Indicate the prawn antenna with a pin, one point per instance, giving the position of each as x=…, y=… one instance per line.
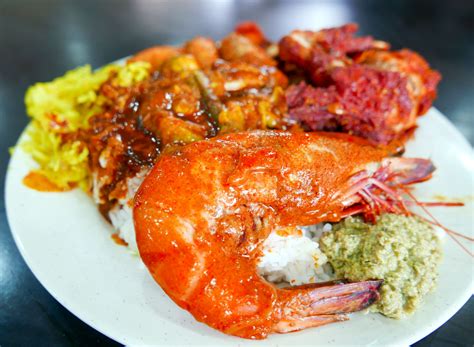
x=451, y=233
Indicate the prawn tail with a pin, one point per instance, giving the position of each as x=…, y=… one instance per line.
x=323, y=303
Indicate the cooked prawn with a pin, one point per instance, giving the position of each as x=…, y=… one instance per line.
x=203, y=212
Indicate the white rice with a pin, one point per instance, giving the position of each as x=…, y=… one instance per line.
x=293, y=259
x=121, y=214
x=122, y=220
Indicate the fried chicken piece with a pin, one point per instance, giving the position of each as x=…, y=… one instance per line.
x=319, y=52
x=362, y=101
x=358, y=86
x=422, y=80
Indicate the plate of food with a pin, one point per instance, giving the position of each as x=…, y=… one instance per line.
x=248, y=192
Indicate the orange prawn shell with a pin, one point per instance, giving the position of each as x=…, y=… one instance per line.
x=204, y=210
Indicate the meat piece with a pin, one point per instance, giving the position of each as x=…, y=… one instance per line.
x=362, y=101
x=319, y=52
x=156, y=55
x=204, y=50
x=253, y=32
x=422, y=81
x=363, y=88
x=236, y=47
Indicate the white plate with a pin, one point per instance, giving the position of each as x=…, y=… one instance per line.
x=67, y=245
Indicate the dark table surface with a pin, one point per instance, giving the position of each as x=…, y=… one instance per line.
x=40, y=40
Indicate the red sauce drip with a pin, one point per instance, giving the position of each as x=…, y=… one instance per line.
x=119, y=241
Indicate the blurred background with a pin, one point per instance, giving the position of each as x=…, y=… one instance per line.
x=40, y=40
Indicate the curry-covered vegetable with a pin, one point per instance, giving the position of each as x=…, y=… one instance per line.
x=403, y=251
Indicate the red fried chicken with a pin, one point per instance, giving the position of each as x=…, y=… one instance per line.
x=358, y=86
